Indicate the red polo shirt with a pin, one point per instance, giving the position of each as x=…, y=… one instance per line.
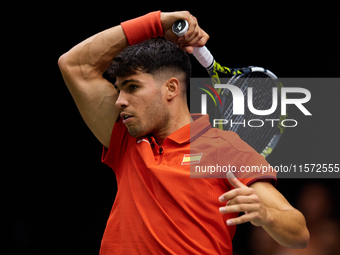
x=158, y=208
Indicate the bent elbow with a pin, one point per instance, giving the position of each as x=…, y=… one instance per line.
x=66, y=65
x=62, y=61
x=304, y=240
x=300, y=242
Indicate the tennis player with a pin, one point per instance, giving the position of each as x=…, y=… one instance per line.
x=150, y=141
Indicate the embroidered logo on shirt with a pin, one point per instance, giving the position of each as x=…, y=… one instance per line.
x=191, y=158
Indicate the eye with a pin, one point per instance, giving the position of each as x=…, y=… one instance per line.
x=133, y=87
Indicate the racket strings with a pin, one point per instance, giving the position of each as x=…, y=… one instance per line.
x=256, y=130
x=228, y=113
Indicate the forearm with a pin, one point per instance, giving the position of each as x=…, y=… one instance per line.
x=287, y=227
x=94, y=55
x=265, y=206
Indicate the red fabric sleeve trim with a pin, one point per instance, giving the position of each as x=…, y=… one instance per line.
x=273, y=181
x=143, y=28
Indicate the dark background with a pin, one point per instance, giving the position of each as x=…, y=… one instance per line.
x=60, y=194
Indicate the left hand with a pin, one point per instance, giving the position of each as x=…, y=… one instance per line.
x=243, y=199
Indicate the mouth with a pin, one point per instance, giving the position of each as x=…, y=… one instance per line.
x=126, y=117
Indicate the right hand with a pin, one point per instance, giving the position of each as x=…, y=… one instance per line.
x=195, y=37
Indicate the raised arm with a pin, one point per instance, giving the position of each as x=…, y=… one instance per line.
x=82, y=67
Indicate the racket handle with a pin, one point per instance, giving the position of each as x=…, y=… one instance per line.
x=202, y=54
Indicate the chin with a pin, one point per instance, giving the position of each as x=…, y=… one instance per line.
x=136, y=133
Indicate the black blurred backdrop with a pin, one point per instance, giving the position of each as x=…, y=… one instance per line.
x=60, y=194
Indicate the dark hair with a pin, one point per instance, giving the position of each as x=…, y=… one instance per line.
x=149, y=56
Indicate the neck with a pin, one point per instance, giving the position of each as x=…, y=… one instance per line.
x=179, y=119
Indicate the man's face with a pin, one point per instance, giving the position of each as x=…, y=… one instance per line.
x=142, y=104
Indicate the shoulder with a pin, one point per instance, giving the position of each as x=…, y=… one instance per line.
x=224, y=138
x=226, y=147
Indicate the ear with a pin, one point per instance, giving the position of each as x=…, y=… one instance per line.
x=172, y=88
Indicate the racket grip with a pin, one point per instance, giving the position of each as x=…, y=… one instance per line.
x=202, y=54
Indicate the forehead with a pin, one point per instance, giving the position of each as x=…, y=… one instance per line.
x=139, y=77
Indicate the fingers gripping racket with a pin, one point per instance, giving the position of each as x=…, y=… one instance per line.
x=263, y=138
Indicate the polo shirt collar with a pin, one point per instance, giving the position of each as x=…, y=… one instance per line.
x=192, y=131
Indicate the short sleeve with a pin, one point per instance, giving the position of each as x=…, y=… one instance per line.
x=255, y=168
x=117, y=147
x=246, y=163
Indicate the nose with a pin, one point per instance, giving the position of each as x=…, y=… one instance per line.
x=122, y=100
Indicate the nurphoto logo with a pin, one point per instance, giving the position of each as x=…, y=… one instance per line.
x=247, y=100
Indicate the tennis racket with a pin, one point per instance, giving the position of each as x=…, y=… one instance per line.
x=263, y=136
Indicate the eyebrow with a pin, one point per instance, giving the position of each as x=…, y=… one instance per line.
x=120, y=86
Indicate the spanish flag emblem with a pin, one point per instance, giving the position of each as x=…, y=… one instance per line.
x=191, y=158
